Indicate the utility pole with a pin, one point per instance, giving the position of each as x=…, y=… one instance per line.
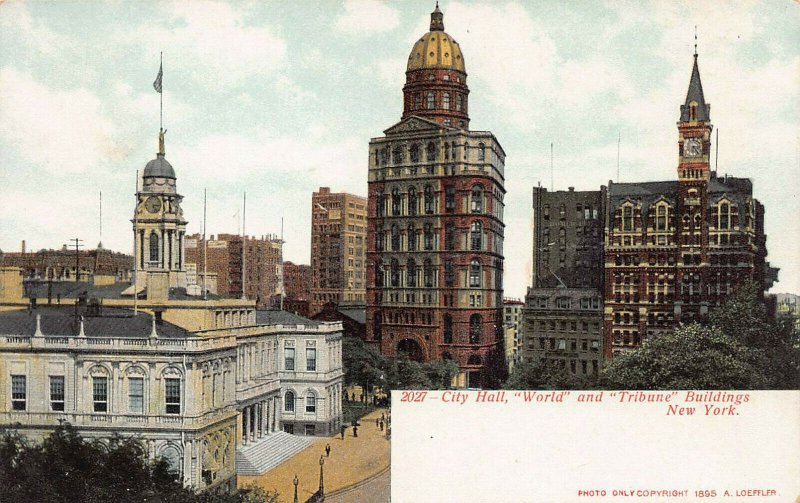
x=78, y=245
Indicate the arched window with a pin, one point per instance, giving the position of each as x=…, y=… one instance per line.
x=459, y=102
x=430, y=152
x=724, y=216
x=430, y=101
x=379, y=237
x=475, y=273
x=397, y=155
x=476, y=236
x=380, y=203
x=379, y=274
x=476, y=199
x=413, y=153
x=395, y=238
x=448, y=329
x=395, y=273
x=661, y=217
x=449, y=237
x=481, y=152
x=288, y=401
x=153, y=247
x=396, y=201
x=446, y=101
x=428, y=273
x=428, y=238
x=412, y=201
x=172, y=456
x=428, y=199
x=475, y=322
x=449, y=273
x=411, y=237
x=411, y=273
x=311, y=402
x=377, y=327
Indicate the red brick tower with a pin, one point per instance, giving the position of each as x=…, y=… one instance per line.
x=435, y=222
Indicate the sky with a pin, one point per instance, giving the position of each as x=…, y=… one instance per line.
x=280, y=98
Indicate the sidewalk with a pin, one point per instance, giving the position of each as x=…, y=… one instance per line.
x=351, y=461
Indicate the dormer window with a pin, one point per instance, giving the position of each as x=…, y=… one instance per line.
x=693, y=111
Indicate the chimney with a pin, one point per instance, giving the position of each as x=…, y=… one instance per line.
x=23, y=246
x=572, y=189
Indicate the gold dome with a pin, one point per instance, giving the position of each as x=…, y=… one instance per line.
x=436, y=49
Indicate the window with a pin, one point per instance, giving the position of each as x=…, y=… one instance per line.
x=153, y=247
x=411, y=273
x=288, y=402
x=412, y=201
x=100, y=394
x=379, y=237
x=475, y=273
x=430, y=152
x=446, y=101
x=450, y=237
x=311, y=359
x=428, y=199
x=396, y=201
x=481, y=152
x=172, y=394
x=428, y=237
x=18, y=392
x=413, y=153
x=459, y=102
x=448, y=329
x=724, y=216
x=546, y=212
x=411, y=236
x=311, y=402
x=476, y=199
x=136, y=395
x=563, y=303
x=397, y=155
x=395, y=238
x=476, y=236
x=428, y=273
x=449, y=273
x=57, y=393
x=661, y=218
x=384, y=156
x=449, y=198
x=380, y=203
x=395, y=273
x=627, y=218
x=475, y=329
x=429, y=103
x=288, y=360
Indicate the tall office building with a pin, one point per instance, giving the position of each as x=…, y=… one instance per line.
x=338, y=248
x=435, y=255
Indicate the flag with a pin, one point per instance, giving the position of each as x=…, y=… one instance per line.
x=157, y=83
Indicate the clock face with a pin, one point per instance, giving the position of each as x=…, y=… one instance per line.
x=153, y=204
x=691, y=147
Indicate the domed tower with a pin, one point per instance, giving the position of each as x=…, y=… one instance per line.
x=435, y=223
x=158, y=222
x=436, y=79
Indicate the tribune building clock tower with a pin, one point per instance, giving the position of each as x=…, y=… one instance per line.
x=158, y=224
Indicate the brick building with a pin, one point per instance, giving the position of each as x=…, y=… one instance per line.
x=435, y=259
x=338, y=248
x=224, y=255
x=562, y=317
x=297, y=287
x=676, y=248
x=96, y=266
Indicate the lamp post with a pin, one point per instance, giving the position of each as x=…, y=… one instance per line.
x=295, y=482
x=321, y=485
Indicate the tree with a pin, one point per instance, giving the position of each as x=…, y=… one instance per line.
x=691, y=357
x=538, y=374
x=65, y=467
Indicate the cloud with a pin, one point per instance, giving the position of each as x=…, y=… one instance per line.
x=367, y=17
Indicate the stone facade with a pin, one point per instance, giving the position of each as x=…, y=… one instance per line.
x=435, y=251
x=338, y=248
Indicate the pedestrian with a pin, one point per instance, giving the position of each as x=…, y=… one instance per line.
x=381, y=424
x=328, y=450
x=383, y=418
x=355, y=431
x=342, y=431
x=362, y=398
x=376, y=421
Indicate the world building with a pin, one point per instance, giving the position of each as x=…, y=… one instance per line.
x=435, y=221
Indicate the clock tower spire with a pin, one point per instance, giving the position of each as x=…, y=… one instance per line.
x=694, y=131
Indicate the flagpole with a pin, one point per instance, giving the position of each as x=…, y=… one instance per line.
x=205, y=248
x=161, y=95
x=136, y=248
x=244, y=245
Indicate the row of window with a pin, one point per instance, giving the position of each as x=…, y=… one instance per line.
x=475, y=324
x=289, y=359
x=100, y=394
x=554, y=344
x=428, y=237
x=443, y=101
x=568, y=303
x=310, y=401
x=429, y=274
x=724, y=216
x=410, y=201
x=398, y=153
